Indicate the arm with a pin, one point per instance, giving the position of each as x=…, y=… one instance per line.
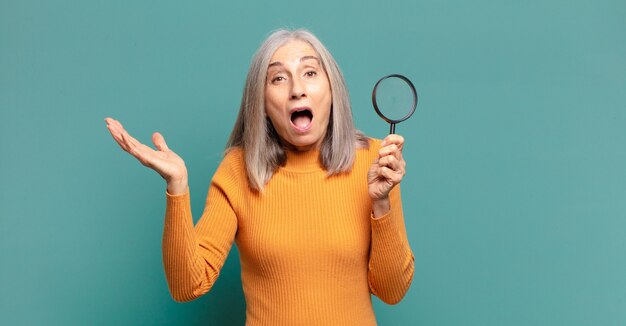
x=391, y=263
x=193, y=257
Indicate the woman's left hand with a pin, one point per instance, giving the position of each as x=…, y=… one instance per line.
x=387, y=170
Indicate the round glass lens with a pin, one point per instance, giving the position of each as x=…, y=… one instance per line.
x=395, y=98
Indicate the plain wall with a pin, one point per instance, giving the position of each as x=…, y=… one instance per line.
x=515, y=195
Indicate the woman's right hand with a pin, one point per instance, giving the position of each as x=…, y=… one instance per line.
x=164, y=161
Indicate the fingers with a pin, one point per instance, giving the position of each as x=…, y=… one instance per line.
x=127, y=142
x=391, y=164
x=391, y=145
x=165, y=162
x=393, y=139
x=392, y=176
x=159, y=142
x=116, y=130
x=390, y=169
x=392, y=150
x=121, y=136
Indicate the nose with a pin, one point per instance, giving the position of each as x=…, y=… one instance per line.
x=297, y=89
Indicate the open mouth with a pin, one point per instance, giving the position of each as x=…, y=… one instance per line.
x=301, y=117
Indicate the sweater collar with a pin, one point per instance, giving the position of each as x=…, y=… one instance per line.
x=303, y=161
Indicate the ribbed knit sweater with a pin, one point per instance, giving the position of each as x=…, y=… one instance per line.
x=311, y=252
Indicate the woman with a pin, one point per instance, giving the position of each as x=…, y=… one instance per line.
x=312, y=203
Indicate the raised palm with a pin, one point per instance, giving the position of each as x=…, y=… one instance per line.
x=162, y=160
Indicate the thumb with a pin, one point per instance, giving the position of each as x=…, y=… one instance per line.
x=159, y=142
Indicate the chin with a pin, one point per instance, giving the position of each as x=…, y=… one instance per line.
x=305, y=145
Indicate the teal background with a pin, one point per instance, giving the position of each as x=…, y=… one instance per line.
x=515, y=196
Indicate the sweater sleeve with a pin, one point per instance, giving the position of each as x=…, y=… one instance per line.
x=194, y=256
x=391, y=263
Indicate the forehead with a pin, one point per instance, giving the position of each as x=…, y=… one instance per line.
x=293, y=50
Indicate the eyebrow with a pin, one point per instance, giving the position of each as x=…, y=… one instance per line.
x=306, y=57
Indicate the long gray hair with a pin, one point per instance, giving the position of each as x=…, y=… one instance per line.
x=255, y=134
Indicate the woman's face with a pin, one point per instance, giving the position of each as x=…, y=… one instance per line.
x=297, y=95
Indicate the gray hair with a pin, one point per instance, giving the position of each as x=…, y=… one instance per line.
x=255, y=135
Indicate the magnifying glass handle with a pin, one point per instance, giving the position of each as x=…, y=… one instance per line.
x=392, y=129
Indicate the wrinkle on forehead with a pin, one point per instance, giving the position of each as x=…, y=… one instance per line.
x=306, y=57
x=295, y=51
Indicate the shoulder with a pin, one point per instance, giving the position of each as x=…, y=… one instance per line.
x=374, y=143
x=366, y=154
x=234, y=155
x=232, y=167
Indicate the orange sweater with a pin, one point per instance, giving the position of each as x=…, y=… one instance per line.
x=310, y=251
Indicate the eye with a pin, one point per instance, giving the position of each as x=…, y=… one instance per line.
x=277, y=79
x=310, y=73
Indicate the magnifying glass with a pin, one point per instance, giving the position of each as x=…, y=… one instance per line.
x=394, y=99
